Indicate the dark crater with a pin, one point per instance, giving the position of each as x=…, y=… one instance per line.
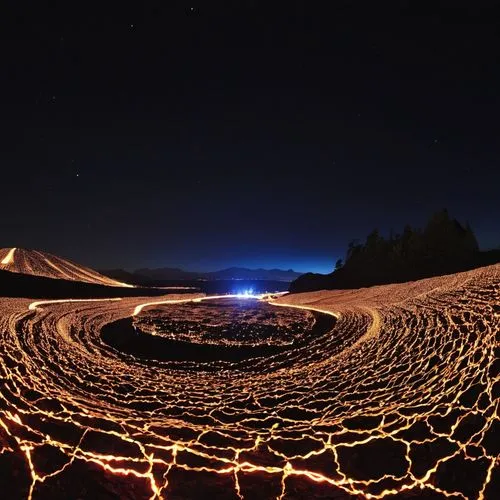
x=125, y=337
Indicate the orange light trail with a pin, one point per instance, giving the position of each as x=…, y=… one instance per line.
x=140, y=307
x=400, y=399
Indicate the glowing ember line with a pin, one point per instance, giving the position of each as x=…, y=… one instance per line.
x=37, y=304
x=140, y=307
x=307, y=308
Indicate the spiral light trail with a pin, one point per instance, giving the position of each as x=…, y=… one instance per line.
x=399, y=399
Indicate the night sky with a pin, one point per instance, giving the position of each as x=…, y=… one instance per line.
x=204, y=135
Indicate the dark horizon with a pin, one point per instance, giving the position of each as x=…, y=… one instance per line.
x=315, y=266
x=206, y=137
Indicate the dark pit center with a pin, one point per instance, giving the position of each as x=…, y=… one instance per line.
x=227, y=322
x=228, y=330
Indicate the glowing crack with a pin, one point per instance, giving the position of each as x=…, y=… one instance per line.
x=400, y=397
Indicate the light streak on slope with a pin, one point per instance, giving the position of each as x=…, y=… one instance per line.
x=9, y=258
x=306, y=307
x=38, y=303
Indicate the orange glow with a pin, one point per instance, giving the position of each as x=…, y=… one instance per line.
x=9, y=257
x=44, y=264
x=406, y=368
x=140, y=307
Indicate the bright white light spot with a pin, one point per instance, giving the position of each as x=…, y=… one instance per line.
x=9, y=258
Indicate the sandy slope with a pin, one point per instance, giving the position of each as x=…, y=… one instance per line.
x=19, y=260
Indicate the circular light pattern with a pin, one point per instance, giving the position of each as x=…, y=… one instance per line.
x=36, y=263
x=227, y=322
x=399, y=398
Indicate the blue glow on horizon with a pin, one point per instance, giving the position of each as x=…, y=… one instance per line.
x=321, y=266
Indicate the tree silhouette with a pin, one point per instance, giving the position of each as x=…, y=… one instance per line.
x=444, y=246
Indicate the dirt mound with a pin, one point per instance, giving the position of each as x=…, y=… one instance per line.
x=33, y=262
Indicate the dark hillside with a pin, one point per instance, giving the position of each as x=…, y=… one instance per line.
x=24, y=285
x=445, y=246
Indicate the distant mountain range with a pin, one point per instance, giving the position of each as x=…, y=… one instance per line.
x=147, y=276
x=35, y=263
